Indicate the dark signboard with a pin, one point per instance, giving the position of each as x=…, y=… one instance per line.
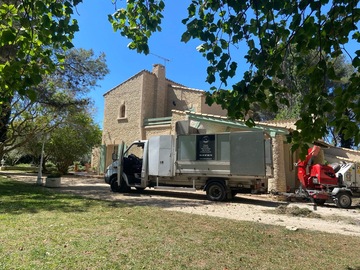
x=205, y=147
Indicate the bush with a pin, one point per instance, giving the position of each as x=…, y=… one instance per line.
x=54, y=174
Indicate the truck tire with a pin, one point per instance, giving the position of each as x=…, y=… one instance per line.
x=343, y=200
x=215, y=191
x=115, y=187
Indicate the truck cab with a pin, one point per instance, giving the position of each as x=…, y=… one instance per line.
x=126, y=170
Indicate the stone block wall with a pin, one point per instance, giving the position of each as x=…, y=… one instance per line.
x=290, y=158
x=149, y=102
x=334, y=154
x=213, y=109
x=175, y=117
x=157, y=130
x=278, y=182
x=182, y=99
x=116, y=128
x=160, y=91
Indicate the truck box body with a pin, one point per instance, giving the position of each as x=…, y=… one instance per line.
x=161, y=157
x=245, y=154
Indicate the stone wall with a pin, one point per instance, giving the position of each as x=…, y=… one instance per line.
x=149, y=101
x=213, y=109
x=278, y=182
x=335, y=154
x=182, y=99
x=160, y=91
x=157, y=130
x=290, y=170
x=175, y=117
x=187, y=99
x=115, y=128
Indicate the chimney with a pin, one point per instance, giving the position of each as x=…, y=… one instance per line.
x=159, y=71
x=160, y=90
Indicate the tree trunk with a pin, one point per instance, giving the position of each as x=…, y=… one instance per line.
x=5, y=113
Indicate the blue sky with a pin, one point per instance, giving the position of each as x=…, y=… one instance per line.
x=186, y=65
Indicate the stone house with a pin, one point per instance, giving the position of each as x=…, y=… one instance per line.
x=149, y=104
x=142, y=106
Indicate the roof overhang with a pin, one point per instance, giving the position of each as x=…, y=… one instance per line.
x=272, y=130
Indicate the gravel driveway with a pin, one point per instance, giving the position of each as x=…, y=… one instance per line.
x=256, y=208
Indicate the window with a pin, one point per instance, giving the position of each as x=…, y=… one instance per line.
x=122, y=112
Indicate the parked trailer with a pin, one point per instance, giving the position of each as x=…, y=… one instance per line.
x=222, y=164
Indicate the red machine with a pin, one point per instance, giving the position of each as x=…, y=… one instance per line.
x=321, y=182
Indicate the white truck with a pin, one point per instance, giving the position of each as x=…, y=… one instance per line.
x=222, y=164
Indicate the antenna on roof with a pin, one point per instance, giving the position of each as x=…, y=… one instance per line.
x=163, y=58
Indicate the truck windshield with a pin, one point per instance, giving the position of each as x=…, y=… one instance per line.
x=136, y=149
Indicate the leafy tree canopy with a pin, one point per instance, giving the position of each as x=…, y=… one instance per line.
x=58, y=95
x=74, y=138
x=270, y=31
x=31, y=35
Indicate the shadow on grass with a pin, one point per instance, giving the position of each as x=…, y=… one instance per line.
x=17, y=197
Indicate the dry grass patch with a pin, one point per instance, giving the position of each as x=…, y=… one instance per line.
x=296, y=211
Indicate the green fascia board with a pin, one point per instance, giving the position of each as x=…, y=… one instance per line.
x=157, y=121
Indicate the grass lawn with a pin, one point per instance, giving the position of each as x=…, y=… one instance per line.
x=44, y=229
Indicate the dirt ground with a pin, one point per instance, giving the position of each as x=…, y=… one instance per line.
x=256, y=208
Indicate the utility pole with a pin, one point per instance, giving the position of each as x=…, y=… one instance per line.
x=39, y=178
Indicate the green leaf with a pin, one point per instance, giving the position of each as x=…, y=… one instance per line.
x=8, y=36
x=210, y=78
x=356, y=62
x=217, y=50
x=186, y=36
x=250, y=122
x=210, y=56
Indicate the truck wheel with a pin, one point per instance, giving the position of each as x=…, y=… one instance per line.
x=215, y=191
x=343, y=200
x=114, y=185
